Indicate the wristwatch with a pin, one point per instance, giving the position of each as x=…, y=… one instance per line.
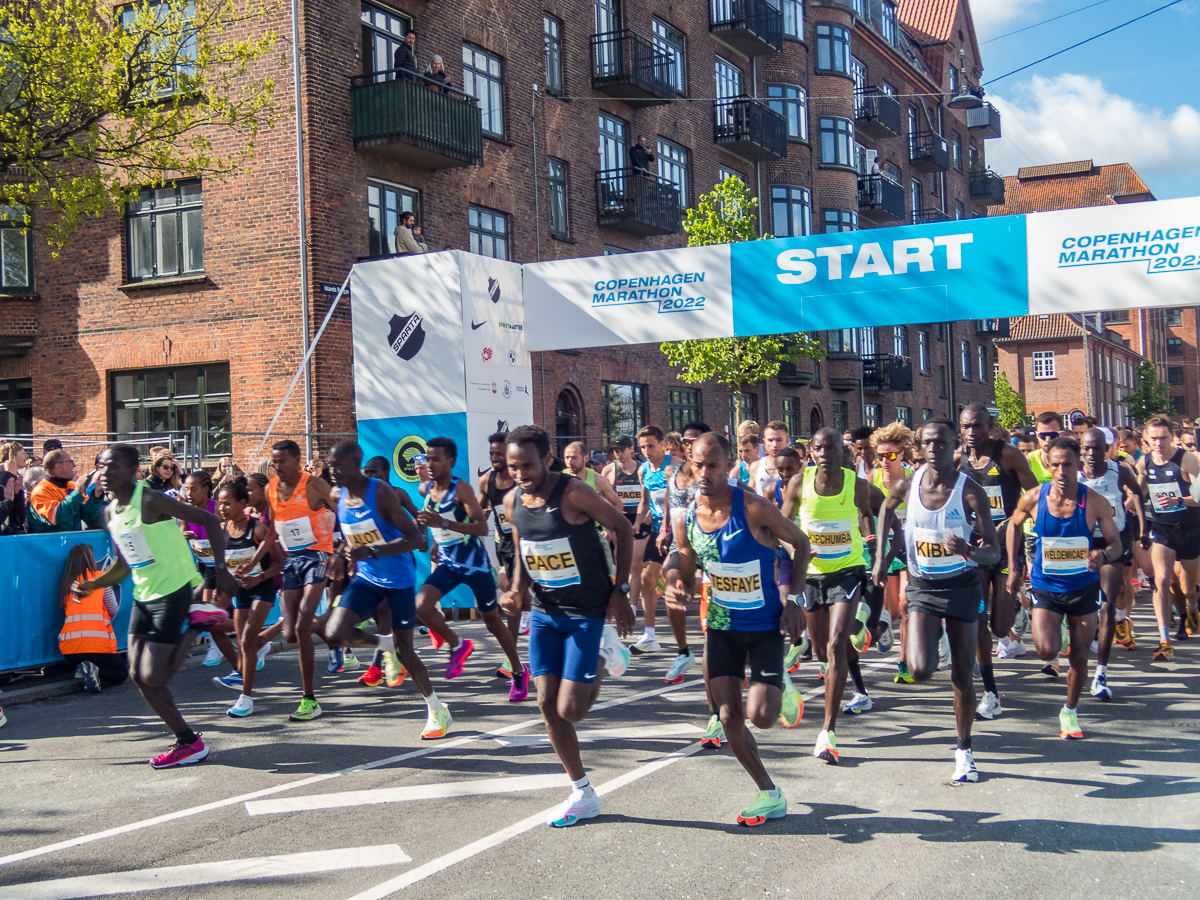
x=623, y=587
x=221, y=565
x=374, y=553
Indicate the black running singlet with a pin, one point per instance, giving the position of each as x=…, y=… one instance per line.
x=1002, y=487
x=495, y=499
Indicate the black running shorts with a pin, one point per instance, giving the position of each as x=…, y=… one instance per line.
x=1069, y=603
x=957, y=597
x=728, y=652
x=842, y=586
x=162, y=620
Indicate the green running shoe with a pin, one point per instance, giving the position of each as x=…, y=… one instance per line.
x=764, y=807
x=791, y=662
x=1066, y=640
x=393, y=671
x=902, y=674
x=792, y=709
x=349, y=661
x=713, y=734
x=861, y=641
x=309, y=709
x=1068, y=724
x=822, y=672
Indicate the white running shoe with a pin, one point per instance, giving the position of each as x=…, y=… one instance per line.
x=964, y=767
x=943, y=652
x=886, y=638
x=1009, y=649
x=989, y=707
x=645, y=644
x=241, y=709
x=213, y=656
x=582, y=804
x=263, y=652
x=859, y=703
x=613, y=652
x=523, y=628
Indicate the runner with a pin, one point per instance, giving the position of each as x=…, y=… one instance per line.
x=747, y=456
x=493, y=486
x=576, y=458
x=1003, y=473
x=828, y=500
x=891, y=444
x=165, y=620
x=864, y=449
x=1063, y=574
x=944, y=506
x=458, y=524
x=1049, y=427
x=566, y=569
x=1167, y=473
x=623, y=473
x=762, y=473
x=197, y=491
x=653, y=475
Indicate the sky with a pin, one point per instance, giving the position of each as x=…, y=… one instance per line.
x=1131, y=96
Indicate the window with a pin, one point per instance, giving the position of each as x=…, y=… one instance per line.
x=612, y=145
x=1173, y=317
x=673, y=166
x=1174, y=374
x=956, y=151
x=383, y=32
x=16, y=406
x=723, y=173
x=841, y=415
x=176, y=43
x=552, y=35
x=166, y=232
x=872, y=413
x=559, y=219
x=844, y=340
x=840, y=220
x=1043, y=364
x=889, y=23
x=793, y=19
x=16, y=251
x=622, y=410
x=915, y=199
x=483, y=79
x=923, y=351
x=489, y=232
x=613, y=251
x=900, y=340
x=1174, y=346
x=174, y=399
x=833, y=48
x=891, y=172
x=982, y=350
x=792, y=104
x=385, y=202
x=964, y=348
x=749, y=409
x=1118, y=316
x=858, y=72
x=683, y=406
x=959, y=213
x=790, y=407
x=668, y=50
x=866, y=341
x=1178, y=405
x=816, y=379
x=837, y=140
x=904, y=416
x=791, y=209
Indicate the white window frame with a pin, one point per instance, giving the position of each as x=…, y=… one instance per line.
x=1043, y=364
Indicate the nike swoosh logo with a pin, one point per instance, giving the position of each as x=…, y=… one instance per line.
x=769, y=674
x=475, y=327
x=593, y=675
x=734, y=534
x=484, y=471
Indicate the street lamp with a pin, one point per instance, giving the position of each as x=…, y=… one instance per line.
x=966, y=96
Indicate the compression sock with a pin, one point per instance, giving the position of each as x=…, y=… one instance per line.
x=964, y=745
x=1164, y=633
x=988, y=674
x=1101, y=671
x=856, y=674
x=377, y=659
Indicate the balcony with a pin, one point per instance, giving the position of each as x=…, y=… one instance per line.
x=885, y=372
x=750, y=129
x=985, y=120
x=987, y=187
x=925, y=216
x=411, y=120
x=751, y=27
x=994, y=328
x=929, y=151
x=626, y=66
x=877, y=115
x=789, y=374
x=841, y=385
x=643, y=205
x=880, y=201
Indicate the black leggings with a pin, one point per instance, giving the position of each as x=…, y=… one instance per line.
x=114, y=667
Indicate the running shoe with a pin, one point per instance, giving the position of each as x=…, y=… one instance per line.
x=204, y=615
x=1192, y=622
x=349, y=661
x=1051, y=669
x=373, y=677
x=644, y=644
x=1164, y=653
x=1010, y=649
x=519, y=689
x=393, y=670
x=1182, y=634
x=91, y=677
x=943, y=652
x=3, y=718
x=241, y=709
x=1122, y=636
x=334, y=663
x=713, y=734
x=1100, y=688
x=79, y=672
x=504, y=670
x=791, y=711
x=436, y=639
x=886, y=638
x=903, y=676
x=989, y=706
x=213, y=656
x=458, y=656
x=613, y=652
x=764, y=807
x=1068, y=724
x=181, y=755
x=821, y=671
x=582, y=804
x=683, y=662
x=791, y=661
x=826, y=748
x=1132, y=635
x=1066, y=641
x=859, y=703
x=964, y=767
x=263, y=652
x=523, y=626
x=233, y=680
x=437, y=725
x=862, y=640
x=308, y=710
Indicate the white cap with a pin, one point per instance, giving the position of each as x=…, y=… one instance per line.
x=1109, y=437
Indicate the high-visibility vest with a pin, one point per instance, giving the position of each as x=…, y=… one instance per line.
x=88, y=628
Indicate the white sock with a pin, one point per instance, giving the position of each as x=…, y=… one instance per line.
x=582, y=784
x=386, y=643
x=1164, y=633
x=650, y=632
x=1067, y=708
x=1101, y=671
x=434, y=704
x=1122, y=615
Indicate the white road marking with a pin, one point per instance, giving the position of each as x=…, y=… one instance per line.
x=608, y=734
x=688, y=697
x=167, y=877
x=454, y=857
x=408, y=794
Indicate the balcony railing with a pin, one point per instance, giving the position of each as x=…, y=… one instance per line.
x=929, y=151
x=415, y=120
x=985, y=120
x=987, y=186
x=877, y=114
x=637, y=203
x=751, y=27
x=750, y=129
x=925, y=216
x=886, y=372
x=880, y=200
x=627, y=66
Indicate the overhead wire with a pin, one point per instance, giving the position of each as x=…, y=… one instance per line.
x=1001, y=37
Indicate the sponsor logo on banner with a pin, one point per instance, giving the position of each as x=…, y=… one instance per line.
x=402, y=456
x=406, y=335
x=672, y=291
x=475, y=326
x=524, y=389
x=494, y=290
x=487, y=354
x=507, y=389
x=512, y=358
x=512, y=327
x=1158, y=248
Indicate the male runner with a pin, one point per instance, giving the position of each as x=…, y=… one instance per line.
x=623, y=474
x=565, y=567
x=151, y=548
x=1167, y=473
x=1063, y=571
x=1003, y=473
x=576, y=459
x=827, y=500
x=458, y=524
x=653, y=475
x=944, y=507
x=1049, y=426
x=763, y=472
x=747, y=456
x=864, y=450
x=495, y=483
x=733, y=534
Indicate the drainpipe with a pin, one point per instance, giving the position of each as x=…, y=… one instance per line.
x=950, y=371
x=537, y=215
x=302, y=231
x=1087, y=370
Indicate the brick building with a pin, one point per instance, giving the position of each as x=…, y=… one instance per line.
x=187, y=311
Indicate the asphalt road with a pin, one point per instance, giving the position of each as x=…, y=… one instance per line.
x=1114, y=815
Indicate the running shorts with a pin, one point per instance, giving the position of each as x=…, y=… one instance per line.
x=958, y=597
x=303, y=567
x=209, y=574
x=1099, y=543
x=652, y=555
x=842, y=586
x=444, y=579
x=566, y=646
x=362, y=597
x=162, y=620
x=1069, y=603
x=727, y=653
x=1183, y=538
x=507, y=560
x=263, y=593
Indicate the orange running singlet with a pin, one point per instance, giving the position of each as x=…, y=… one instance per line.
x=299, y=526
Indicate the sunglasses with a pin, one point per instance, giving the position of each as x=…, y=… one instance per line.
x=892, y=457
x=1048, y=435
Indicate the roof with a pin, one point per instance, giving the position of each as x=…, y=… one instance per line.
x=932, y=21
x=1070, y=185
x=1060, y=326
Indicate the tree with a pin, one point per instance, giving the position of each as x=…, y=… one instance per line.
x=1151, y=398
x=1011, y=405
x=726, y=215
x=97, y=102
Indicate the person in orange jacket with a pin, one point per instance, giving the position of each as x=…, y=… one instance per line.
x=87, y=637
x=57, y=504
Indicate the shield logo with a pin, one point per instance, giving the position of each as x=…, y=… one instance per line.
x=406, y=336
x=494, y=290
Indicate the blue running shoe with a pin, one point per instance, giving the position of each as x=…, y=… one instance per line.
x=233, y=681
x=336, y=660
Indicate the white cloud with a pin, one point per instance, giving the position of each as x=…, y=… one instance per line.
x=1071, y=117
x=989, y=14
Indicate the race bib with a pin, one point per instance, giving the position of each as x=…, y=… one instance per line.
x=446, y=537
x=659, y=499
x=830, y=540
x=901, y=514
x=550, y=563
x=1065, y=555
x=134, y=548
x=295, y=534
x=502, y=520
x=630, y=494
x=203, y=552
x=995, y=501
x=736, y=585
x=236, y=557
x=932, y=558
x=1160, y=495
x=364, y=533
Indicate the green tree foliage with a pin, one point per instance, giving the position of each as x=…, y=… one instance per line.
x=726, y=215
x=1152, y=397
x=1011, y=405
x=97, y=101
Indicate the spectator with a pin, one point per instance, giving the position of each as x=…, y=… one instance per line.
x=641, y=156
x=227, y=473
x=50, y=444
x=12, y=491
x=405, y=242
x=416, y=230
x=436, y=72
x=265, y=467
x=57, y=505
x=87, y=637
x=404, y=61
x=164, y=474
x=32, y=476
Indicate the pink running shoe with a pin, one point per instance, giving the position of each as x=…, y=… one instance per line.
x=436, y=639
x=458, y=656
x=520, y=686
x=181, y=755
x=204, y=615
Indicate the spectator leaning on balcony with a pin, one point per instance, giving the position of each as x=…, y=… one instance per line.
x=57, y=505
x=641, y=156
x=12, y=491
x=435, y=72
x=405, y=242
x=404, y=60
